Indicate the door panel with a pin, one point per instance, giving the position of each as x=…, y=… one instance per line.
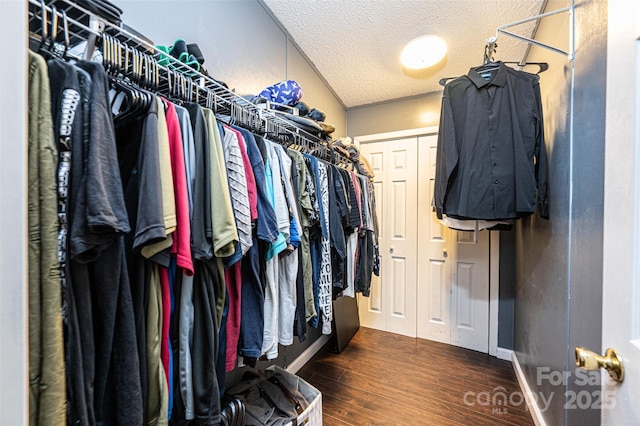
x=438, y=294
x=434, y=287
x=398, y=300
x=471, y=291
x=435, y=326
x=399, y=214
x=463, y=300
x=375, y=296
x=453, y=305
x=392, y=303
x=401, y=244
x=621, y=265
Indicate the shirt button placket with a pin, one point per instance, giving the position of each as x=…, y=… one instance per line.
x=492, y=151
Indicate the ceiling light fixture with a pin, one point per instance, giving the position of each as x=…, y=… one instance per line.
x=423, y=52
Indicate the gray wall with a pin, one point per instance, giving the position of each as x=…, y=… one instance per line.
x=559, y=262
x=316, y=92
x=506, y=295
x=410, y=113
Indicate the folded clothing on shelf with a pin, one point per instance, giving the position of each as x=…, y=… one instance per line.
x=187, y=54
x=286, y=95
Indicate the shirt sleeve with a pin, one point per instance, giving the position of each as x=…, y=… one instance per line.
x=446, y=156
x=540, y=155
x=150, y=218
x=102, y=202
x=224, y=232
x=201, y=223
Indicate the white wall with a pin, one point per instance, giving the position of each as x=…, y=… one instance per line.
x=14, y=378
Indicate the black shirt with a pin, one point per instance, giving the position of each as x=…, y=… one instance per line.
x=491, y=159
x=99, y=221
x=337, y=209
x=201, y=223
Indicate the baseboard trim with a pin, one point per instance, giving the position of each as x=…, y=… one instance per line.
x=505, y=354
x=536, y=414
x=308, y=353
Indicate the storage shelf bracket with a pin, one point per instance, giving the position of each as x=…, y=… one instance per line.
x=570, y=54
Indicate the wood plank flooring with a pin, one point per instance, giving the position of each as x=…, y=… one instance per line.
x=387, y=379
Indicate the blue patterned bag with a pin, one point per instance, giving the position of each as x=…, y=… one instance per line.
x=286, y=92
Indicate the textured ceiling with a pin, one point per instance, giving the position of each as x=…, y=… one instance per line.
x=355, y=44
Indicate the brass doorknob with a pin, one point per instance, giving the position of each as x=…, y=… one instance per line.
x=592, y=361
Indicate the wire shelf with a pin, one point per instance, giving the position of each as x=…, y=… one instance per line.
x=164, y=74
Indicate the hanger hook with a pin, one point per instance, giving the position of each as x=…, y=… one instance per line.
x=121, y=49
x=112, y=48
x=156, y=69
x=105, y=59
x=139, y=67
x=147, y=71
x=109, y=54
x=152, y=73
x=65, y=27
x=139, y=70
x=44, y=28
x=126, y=60
x=53, y=35
x=134, y=65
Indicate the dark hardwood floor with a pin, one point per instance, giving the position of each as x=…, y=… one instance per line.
x=387, y=379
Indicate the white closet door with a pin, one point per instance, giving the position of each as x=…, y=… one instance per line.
x=434, y=281
x=392, y=303
x=434, y=285
x=453, y=288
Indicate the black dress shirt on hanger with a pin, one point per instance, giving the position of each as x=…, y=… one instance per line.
x=491, y=159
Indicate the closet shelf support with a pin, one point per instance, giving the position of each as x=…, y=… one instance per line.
x=569, y=54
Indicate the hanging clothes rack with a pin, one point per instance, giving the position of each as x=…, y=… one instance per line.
x=86, y=30
x=570, y=54
x=491, y=42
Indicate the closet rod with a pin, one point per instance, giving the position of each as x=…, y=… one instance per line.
x=222, y=95
x=569, y=54
x=225, y=95
x=72, y=31
x=210, y=83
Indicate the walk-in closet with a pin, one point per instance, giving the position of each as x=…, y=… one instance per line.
x=260, y=212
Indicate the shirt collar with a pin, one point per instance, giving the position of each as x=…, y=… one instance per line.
x=499, y=79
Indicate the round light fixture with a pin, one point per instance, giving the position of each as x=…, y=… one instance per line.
x=423, y=52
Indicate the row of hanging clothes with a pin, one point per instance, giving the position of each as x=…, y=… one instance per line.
x=491, y=160
x=170, y=234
